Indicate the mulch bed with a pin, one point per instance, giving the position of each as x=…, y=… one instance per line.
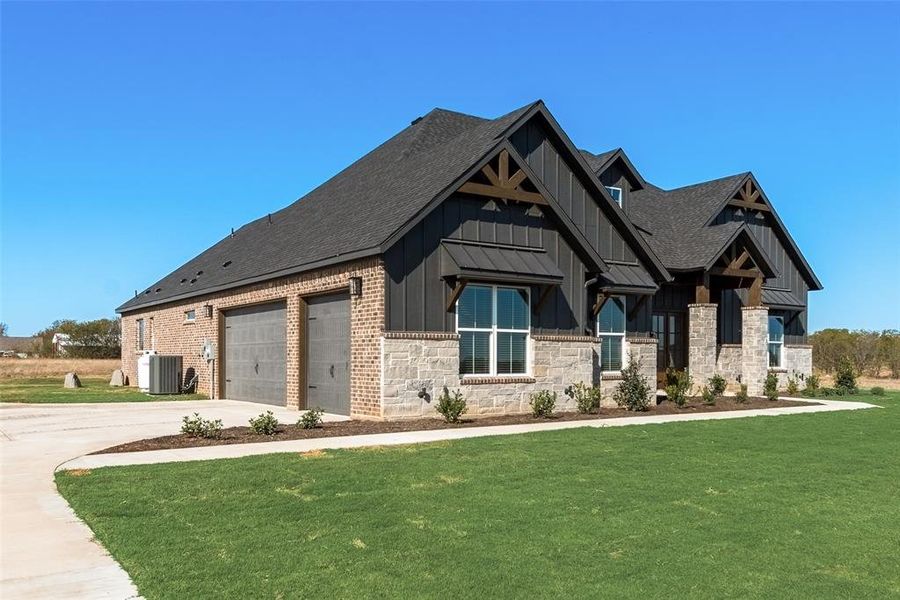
x=243, y=435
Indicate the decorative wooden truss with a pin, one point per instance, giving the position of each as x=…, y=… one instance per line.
x=494, y=181
x=748, y=197
x=736, y=262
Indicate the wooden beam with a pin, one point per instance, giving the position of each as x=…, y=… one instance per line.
x=491, y=191
x=756, y=292
x=739, y=261
x=601, y=300
x=516, y=179
x=792, y=319
x=729, y=272
x=490, y=174
x=454, y=295
x=701, y=292
x=637, y=306
x=504, y=167
x=545, y=293
x=750, y=205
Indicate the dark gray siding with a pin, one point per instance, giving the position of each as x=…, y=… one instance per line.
x=416, y=295
x=560, y=179
x=614, y=176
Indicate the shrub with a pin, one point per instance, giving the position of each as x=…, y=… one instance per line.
x=793, y=385
x=264, y=424
x=742, y=396
x=197, y=426
x=633, y=392
x=845, y=379
x=812, y=385
x=708, y=395
x=543, y=404
x=587, y=397
x=678, y=385
x=770, y=387
x=451, y=406
x=717, y=385
x=877, y=391
x=310, y=419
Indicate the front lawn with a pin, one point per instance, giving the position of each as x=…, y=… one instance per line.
x=801, y=506
x=51, y=390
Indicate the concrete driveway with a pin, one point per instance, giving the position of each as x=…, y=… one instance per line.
x=45, y=551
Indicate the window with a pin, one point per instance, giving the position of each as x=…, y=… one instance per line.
x=493, y=326
x=616, y=193
x=140, y=334
x=611, y=329
x=190, y=316
x=776, y=340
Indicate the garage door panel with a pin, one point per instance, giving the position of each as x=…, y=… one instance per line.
x=328, y=352
x=255, y=354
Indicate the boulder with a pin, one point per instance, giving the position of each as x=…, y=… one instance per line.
x=117, y=379
x=72, y=381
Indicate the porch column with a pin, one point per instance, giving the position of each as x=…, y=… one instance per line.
x=702, y=334
x=754, y=347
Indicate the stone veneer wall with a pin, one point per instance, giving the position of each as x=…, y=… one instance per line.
x=728, y=365
x=797, y=362
x=644, y=351
x=166, y=331
x=702, y=334
x=416, y=361
x=754, y=347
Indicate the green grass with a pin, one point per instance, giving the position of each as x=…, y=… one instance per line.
x=802, y=506
x=51, y=391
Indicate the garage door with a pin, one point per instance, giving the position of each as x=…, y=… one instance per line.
x=255, y=354
x=328, y=354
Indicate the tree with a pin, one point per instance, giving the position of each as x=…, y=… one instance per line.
x=4, y=328
x=100, y=338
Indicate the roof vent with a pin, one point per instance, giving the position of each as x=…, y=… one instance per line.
x=226, y=263
x=183, y=281
x=193, y=281
x=416, y=120
x=158, y=290
x=199, y=273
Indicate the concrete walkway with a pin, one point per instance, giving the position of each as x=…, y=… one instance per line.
x=45, y=550
x=415, y=437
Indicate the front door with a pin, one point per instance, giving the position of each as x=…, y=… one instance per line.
x=668, y=327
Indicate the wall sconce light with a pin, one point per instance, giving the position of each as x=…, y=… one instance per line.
x=208, y=308
x=356, y=286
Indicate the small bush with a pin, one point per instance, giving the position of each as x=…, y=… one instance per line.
x=543, y=404
x=845, y=379
x=587, y=397
x=793, y=385
x=678, y=385
x=451, y=406
x=877, y=391
x=770, y=387
x=717, y=385
x=633, y=392
x=742, y=396
x=709, y=397
x=264, y=424
x=311, y=418
x=812, y=383
x=197, y=426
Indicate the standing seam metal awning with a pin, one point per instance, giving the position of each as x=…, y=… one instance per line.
x=781, y=299
x=627, y=278
x=518, y=264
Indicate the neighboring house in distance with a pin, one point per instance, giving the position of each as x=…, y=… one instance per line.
x=12, y=346
x=61, y=342
x=489, y=255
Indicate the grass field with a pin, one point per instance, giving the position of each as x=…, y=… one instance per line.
x=801, y=506
x=51, y=391
x=32, y=368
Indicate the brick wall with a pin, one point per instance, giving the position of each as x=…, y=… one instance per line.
x=797, y=363
x=702, y=335
x=728, y=365
x=166, y=331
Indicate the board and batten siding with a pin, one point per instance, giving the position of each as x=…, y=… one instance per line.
x=560, y=179
x=416, y=297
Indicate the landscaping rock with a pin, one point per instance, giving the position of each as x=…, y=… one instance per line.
x=117, y=379
x=72, y=381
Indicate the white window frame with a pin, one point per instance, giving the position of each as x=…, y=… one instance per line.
x=602, y=334
x=769, y=341
x=190, y=315
x=493, y=330
x=610, y=188
x=140, y=325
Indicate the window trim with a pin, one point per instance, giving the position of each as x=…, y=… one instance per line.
x=780, y=344
x=493, y=330
x=140, y=334
x=602, y=334
x=190, y=315
x=609, y=189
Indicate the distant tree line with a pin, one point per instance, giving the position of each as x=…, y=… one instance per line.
x=100, y=338
x=871, y=353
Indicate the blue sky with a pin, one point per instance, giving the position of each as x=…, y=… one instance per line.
x=134, y=135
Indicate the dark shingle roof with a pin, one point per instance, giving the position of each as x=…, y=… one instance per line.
x=596, y=161
x=349, y=215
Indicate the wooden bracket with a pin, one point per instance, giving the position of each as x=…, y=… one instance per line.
x=602, y=297
x=756, y=292
x=637, y=306
x=748, y=197
x=454, y=295
x=501, y=185
x=545, y=293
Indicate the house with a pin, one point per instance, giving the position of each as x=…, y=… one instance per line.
x=61, y=343
x=488, y=255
